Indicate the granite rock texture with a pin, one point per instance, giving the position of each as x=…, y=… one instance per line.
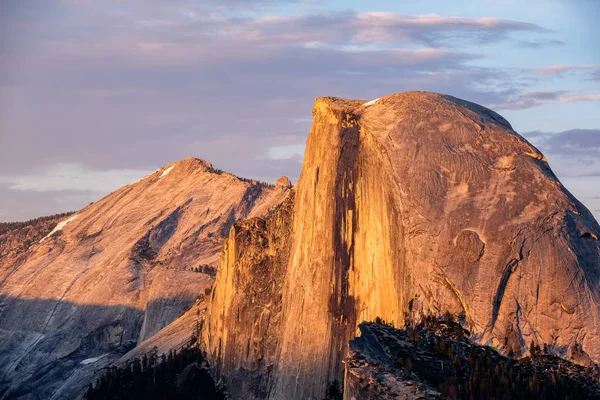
x=117, y=272
x=242, y=325
x=416, y=199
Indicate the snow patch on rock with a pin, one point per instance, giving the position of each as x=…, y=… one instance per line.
x=144, y=177
x=165, y=172
x=59, y=227
x=370, y=103
x=92, y=360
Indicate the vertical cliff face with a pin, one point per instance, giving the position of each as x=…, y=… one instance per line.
x=346, y=263
x=422, y=199
x=242, y=324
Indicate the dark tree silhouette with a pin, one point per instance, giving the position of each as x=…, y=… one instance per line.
x=179, y=374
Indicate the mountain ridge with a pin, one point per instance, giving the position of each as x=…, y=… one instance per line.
x=133, y=252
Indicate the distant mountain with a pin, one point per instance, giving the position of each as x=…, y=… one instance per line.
x=415, y=201
x=78, y=291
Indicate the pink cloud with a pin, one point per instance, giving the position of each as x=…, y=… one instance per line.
x=560, y=69
x=583, y=97
x=534, y=99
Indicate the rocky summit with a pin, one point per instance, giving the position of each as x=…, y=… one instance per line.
x=416, y=201
x=409, y=207
x=79, y=291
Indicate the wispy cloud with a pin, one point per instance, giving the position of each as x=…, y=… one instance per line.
x=188, y=36
x=533, y=99
x=562, y=69
x=71, y=177
x=539, y=43
x=578, y=97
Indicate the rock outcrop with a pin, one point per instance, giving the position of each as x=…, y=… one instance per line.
x=413, y=199
x=242, y=326
x=79, y=296
x=434, y=359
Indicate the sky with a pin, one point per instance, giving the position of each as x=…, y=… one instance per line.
x=94, y=95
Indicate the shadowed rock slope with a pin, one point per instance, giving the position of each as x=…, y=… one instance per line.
x=435, y=360
x=86, y=289
x=414, y=197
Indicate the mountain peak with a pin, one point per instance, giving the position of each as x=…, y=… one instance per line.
x=283, y=182
x=189, y=164
x=117, y=271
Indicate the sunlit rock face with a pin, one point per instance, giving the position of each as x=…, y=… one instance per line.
x=413, y=198
x=116, y=273
x=242, y=325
